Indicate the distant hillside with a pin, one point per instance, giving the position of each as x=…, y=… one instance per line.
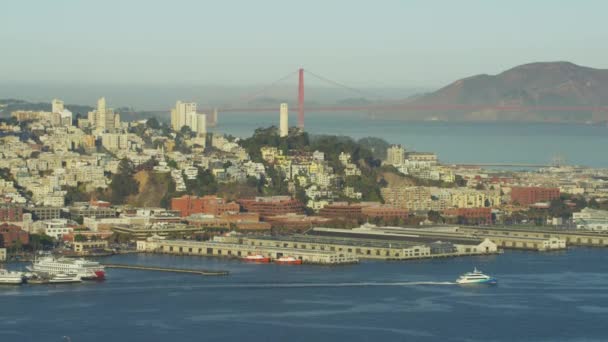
x=536, y=84
x=7, y=106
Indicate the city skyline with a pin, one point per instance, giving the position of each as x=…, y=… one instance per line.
x=312, y=171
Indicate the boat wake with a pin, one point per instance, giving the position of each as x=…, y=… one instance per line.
x=358, y=284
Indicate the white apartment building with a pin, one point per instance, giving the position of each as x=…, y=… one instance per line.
x=56, y=228
x=197, y=123
x=179, y=113
x=104, y=118
x=115, y=141
x=57, y=106
x=395, y=155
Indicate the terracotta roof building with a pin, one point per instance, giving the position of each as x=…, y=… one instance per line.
x=530, y=195
x=11, y=234
x=212, y=205
x=272, y=206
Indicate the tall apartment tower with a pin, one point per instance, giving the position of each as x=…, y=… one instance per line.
x=197, y=123
x=201, y=127
x=179, y=114
x=57, y=106
x=101, y=105
x=103, y=117
x=284, y=120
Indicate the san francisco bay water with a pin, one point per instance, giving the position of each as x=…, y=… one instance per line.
x=521, y=143
x=540, y=297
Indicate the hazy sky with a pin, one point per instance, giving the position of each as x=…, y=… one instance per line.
x=362, y=43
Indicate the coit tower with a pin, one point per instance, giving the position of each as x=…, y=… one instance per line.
x=283, y=120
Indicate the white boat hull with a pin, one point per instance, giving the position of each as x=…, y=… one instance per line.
x=11, y=281
x=86, y=269
x=476, y=278
x=10, y=278
x=65, y=279
x=490, y=281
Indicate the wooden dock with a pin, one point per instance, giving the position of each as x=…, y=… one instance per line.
x=168, y=269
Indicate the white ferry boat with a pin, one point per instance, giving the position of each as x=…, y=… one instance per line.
x=10, y=277
x=87, y=270
x=476, y=277
x=62, y=278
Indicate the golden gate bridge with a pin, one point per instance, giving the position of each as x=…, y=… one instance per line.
x=381, y=105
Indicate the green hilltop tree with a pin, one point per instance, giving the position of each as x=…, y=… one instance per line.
x=123, y=184
x=153, y=123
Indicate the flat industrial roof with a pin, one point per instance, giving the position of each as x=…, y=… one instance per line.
x=343, y=240
x=404, y=235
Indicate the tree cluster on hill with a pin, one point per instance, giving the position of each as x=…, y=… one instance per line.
x=76, y=194
x=40, y=242
x=123, y=184
x=269, y=136
x=204, y=184
x=377, y=146
x=365, y=154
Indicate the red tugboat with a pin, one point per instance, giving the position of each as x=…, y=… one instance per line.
x=256, y=258
x=288, y=260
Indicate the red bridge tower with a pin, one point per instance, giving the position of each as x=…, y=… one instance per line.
x=301, y=99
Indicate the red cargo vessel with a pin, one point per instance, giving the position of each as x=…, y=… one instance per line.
x=287, y=260
x=256, y=258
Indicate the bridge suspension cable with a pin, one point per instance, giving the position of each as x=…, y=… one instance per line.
x=342, y=85
x=250, y=96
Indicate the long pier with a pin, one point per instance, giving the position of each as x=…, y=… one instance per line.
x=167, y=269
x=522, y=165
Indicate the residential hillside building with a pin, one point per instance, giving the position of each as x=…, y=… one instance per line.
x=471, y=215
x=526, y=196
x=395, y=155
x=11, y=213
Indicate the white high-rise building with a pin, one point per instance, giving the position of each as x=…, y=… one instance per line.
x=103, y=117
x=101, y=104
x=179, y=114
x=66, y=118
x=201, y=127
x=57, y=106
x=115, y=141
x=284, y=120
x=197, y=123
